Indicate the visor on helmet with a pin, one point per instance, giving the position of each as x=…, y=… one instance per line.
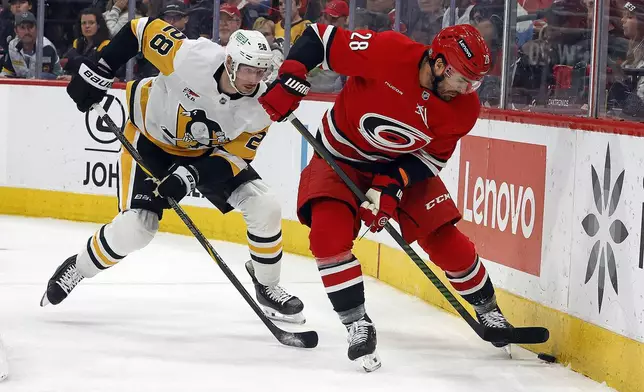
x=459, y=82
x=248, y=72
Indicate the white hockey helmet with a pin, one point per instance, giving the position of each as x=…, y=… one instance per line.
x=248, y=47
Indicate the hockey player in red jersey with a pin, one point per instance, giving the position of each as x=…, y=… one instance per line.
x=392, y=129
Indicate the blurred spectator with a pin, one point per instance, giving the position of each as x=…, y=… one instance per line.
x=20, y=61
x=200, y=21
x=380, y=6
x=631, y=98
x=229, y=22
x=313, y=9
x=375, y=11
x=554, y=66
x=426, y=22
x=250, y=10
x=488, y=20
x=175, y=14
x=116, y=15
x=617, y=43
x=327, y=81
x=336, y=13
x=267, y=27
x=7, y=31
x=369, y=20
x=93, y=35
x=298, y=25
x=463, y=8
x=633, y=24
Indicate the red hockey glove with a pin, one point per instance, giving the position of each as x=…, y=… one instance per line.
x=285, y=93
x=385, y=194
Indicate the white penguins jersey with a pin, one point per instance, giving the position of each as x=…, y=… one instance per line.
x=183, y=110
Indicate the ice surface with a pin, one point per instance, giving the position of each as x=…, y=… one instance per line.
x=167, y=319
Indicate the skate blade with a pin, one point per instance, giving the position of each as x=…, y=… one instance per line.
x=370, y=362
x=508, y=350
x=272, y=314
x=44, y=301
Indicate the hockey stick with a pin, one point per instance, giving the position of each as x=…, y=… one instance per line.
x=520, y=335
x=308, y=339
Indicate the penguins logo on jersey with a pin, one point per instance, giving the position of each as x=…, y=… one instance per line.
x=196, y=130
x=387, y=134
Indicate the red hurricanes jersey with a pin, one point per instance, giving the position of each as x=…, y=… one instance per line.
x=382, y=112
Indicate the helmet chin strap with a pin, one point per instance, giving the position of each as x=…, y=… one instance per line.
x=232, y=76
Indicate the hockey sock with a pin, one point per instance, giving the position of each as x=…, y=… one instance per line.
x=266, y=253
x=454, y=253
x=129, y=231
x=342, y=279
x=475, y=286
x=331, y=238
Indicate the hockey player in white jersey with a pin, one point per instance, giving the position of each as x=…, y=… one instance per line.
x=198, y=123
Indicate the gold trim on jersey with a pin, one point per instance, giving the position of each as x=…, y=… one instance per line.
x=158, y=41
x=127, y=167
x=236, y=163
x=245, y=145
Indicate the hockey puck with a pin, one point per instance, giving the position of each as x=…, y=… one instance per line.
x=547, y=357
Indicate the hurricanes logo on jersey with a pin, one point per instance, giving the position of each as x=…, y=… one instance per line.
x=387, y=134
x=195, y=130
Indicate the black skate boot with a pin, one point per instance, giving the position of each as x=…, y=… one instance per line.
x=276, y=303
x=62, y=283
x=489, y=314
x=362, y=343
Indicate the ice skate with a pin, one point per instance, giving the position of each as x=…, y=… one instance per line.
x=490, y=315
x=276, y=303
x=362, y=343
x=62, y=282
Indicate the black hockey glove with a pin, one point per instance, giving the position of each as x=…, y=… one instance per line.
x=89, y=84
x=179, y=183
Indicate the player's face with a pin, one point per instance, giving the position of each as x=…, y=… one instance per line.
x=248, y=78
x=453, y=83
x=89, y=26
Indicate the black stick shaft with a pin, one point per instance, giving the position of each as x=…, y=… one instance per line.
x=326, y=155
x=191, y=226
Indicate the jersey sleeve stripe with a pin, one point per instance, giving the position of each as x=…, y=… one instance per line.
x=138, y=27
x=322, y=138
x=325, y=37
x=427, y=159
x=435, y=161
x=326, y=41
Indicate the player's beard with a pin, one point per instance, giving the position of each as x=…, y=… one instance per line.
x=443, y=91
